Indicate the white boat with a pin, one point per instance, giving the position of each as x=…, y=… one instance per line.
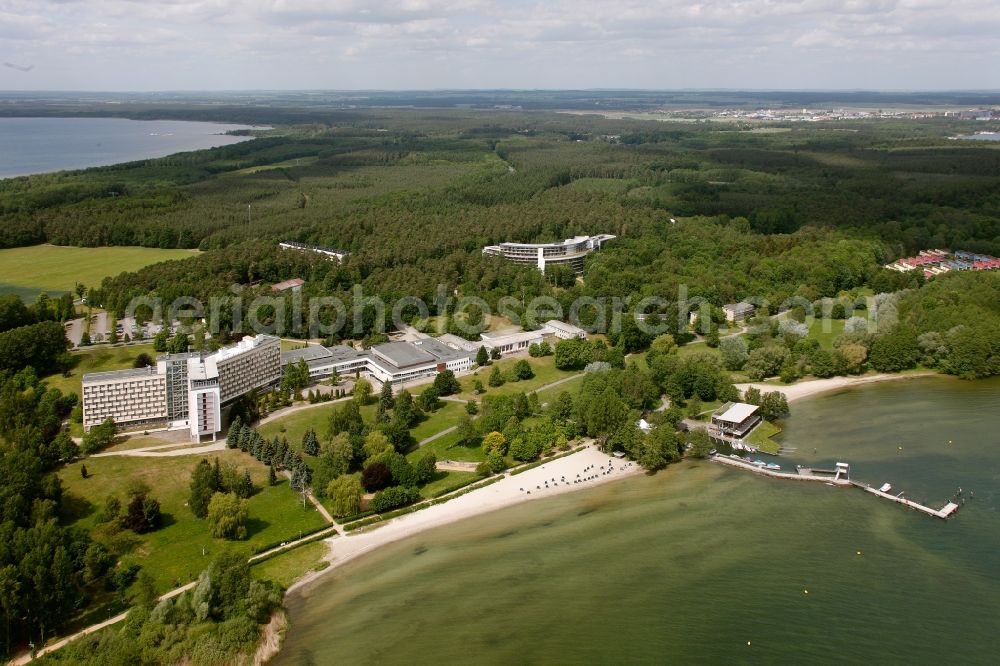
x=773, y=466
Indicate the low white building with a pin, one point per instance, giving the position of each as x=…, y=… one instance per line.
x=393, y=362
x=511, y=342
x=565, y=331
x=738, y=311
x=737, y=419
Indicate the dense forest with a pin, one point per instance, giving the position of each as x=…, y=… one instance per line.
x=454, y=179
x=706, y=211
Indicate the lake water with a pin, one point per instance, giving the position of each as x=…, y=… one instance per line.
x=704, y=564
x=41, y=145
x=994, y=136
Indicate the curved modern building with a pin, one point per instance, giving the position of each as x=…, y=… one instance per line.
x=571, y=252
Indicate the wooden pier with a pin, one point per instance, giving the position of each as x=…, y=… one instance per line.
x=944, y=513
x=833, y=477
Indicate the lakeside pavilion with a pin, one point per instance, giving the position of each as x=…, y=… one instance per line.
x=737, y=419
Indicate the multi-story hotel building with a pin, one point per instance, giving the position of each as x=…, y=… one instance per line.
x=571, y=252
x=183, y=390
x=136, y=397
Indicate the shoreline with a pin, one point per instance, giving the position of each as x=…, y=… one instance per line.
x=814, y=387
x=500, y=495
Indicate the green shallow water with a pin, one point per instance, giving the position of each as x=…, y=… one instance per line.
x=689, y=565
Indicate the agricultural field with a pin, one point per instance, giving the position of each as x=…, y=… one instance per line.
x=179, y=550
x=28, y=271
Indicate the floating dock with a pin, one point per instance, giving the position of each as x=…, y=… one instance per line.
x=836, y=477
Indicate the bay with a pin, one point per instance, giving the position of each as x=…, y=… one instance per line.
x=41, y=145
x=703, y=564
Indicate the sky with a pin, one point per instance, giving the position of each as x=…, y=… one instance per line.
x=142, y=45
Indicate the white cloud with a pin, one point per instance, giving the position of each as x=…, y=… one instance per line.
x=523, y=43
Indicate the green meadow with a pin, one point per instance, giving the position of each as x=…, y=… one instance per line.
x=180, y=549
x=28, y=271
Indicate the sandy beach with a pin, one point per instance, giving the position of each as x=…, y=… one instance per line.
x=813, y=387
x=590, y=464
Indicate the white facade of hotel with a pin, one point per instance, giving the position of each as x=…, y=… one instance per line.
x=571, y=252
x=183, y=390
x=128, y=396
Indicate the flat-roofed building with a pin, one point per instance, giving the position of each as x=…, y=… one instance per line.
x=511, y=342
x=565, y=331
x=131, y=397
x=398, y=362
x=736, y=419
x=328, y=252
x=570, y=252
x=252, y=363
x=456, y=360
x=456, y=342
x=174, y=368
x=182, y=390
x=738, y=311
x=392, y=362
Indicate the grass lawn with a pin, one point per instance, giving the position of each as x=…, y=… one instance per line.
x=29, y=271
x=448, y=448
x=545, y=373
x=708, y=408
x=449, y=414
x=826, y=337
x=140, y=441
x=761, y=437
x=288, y=567
x=445, y=482
x=183, y=546
x=695, y=348
x=550, y=394
x=294, y=425
x=97, y=359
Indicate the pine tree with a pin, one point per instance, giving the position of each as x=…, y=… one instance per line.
x=310, y=445
x=279, y=453
x=386, y=401
x=482, y=356
x=496, y=378
x=235, y=433
x=245, y=487
x=272, y=478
